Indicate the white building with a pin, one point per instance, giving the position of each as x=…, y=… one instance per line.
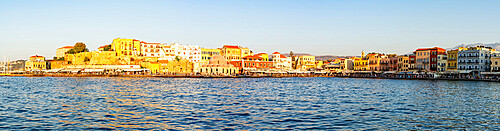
x=475, y=59
x=281, y=61
x=442, y=60
x=188, y=52
x=150, y=49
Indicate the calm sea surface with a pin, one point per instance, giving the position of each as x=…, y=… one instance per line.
x=253, y=103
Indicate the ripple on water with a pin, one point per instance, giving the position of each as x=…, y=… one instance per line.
x=245, y=104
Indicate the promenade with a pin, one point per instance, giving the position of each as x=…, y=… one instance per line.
x=424, y=76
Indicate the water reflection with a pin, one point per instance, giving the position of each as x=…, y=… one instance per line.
x=267, y=103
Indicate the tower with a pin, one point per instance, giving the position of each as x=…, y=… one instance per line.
x=362, y=53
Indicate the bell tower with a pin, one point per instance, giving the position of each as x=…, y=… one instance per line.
x=362, y=53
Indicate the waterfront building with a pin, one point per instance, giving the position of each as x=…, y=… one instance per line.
x=345, y=63
x=264, y=56
x=97, y=58
x=319, y=64
x=452, y=56
x=403, y=63
x=333, y=67
x=389, y=63
x=495, y=62
x=426, y=58
x=150, y=49
x=442, y=61
x=175, y=66
x=252, y=63
x=412, y=62
x=361, y=64
x=475, y=59
x=188, y=52
x=62, y=51
x=56, y=64
x=126, y=47
x=36, y=62
x=281, y=61
x=207, y=54
x=218, y=65
x=306, y=62
x=375, y=60
x=231, y=52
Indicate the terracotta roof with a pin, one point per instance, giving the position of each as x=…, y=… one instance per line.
x=153, y=62
x=36, y=56
x=102, y=46
x=252, y=56
x=276, y=53
x=163, y=61
x=434, y=48
x=66, y=47
x=283, y=56
x=231, y=46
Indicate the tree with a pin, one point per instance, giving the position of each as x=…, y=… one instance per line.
x=177, y=58
x=294, y=64
x=107, y=48
x=79, y=47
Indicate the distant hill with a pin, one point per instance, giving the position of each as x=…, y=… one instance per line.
x=320, y=57
x=295, y=54
x=493, y=45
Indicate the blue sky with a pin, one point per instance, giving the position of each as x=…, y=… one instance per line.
x=317, y=27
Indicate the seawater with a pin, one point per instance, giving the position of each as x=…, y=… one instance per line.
x=107, y=103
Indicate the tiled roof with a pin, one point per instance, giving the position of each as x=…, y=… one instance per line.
x=231, y=46
x=36, y=56
x=66, y=47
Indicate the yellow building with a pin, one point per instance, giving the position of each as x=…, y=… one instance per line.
x=169, y=67
x=452, y=58
x=235, y=52
x=35, y=63
x=154, y=67
x=62, y=51
x=403, y=63
x=495, y=62
x=319, y=64
x=98, y=58
x=306, y=62
x=207, y=54
x=126, y=47
x=56, y=64
x=264, y=56
x=361, y=64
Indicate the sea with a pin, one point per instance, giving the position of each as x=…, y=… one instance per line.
x=305, y=103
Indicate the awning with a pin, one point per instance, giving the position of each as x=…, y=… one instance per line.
x=132, y=70
x=93, y=70
x=71, y=70
x=490, y=73
x=54, y=70
x=465, y=72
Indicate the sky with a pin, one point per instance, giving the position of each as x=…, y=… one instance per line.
x=329, y=27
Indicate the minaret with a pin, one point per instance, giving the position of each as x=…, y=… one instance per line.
x=362, y=53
